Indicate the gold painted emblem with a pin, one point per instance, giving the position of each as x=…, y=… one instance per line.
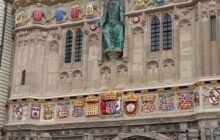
x=19, y=18
x=139, y=2
x=89, y=10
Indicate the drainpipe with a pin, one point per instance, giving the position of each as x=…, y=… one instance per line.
x=2, y=131
x=3, y=29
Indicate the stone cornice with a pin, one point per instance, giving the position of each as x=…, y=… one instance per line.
x=141, y=120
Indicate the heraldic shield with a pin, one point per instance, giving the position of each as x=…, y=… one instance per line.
x=59, y=15
x=75, y=12
x=38, y=14
x=18, y=18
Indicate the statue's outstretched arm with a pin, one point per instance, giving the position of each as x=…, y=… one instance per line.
x=102, y=20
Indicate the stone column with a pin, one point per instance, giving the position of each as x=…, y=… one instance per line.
x=199, y=49
x=183, y=128
x=206, y=44
x=193, y=134
x=87, y=136
x=217, y=37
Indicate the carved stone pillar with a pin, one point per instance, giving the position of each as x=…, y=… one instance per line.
x=87, y=136
x=206, y=44
x=193, y=134
x=199, y=49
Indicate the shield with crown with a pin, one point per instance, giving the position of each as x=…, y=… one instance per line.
x=37, y=15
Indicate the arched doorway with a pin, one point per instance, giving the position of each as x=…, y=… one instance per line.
x=141, y=136
x=138, y=138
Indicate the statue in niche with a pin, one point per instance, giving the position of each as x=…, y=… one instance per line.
x=113, y=27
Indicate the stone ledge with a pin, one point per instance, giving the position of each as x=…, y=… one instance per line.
x=114, y=123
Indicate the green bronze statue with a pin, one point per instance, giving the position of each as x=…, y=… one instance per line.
x=113, y=27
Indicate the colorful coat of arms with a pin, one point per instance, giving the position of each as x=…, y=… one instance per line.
x=78, y=108
x=48, y=112
x=35, y=111
x=148, y=103
x=62, y=111
x=110, y=104
x=38, y=15
x=213, y=94
x=92, y=106
x=131, y=104
x=75, y=12
x=19, y=112
x=166, y=103
x=185, y=102
x=59, y=15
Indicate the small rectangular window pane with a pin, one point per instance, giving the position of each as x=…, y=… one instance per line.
x=213, y=28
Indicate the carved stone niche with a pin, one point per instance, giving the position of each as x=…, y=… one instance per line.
x=65, y=83
x=168, y=70
x=77, y=76
x=152, y=72
x=105, y=77
x=113, y=56
x=122, y=75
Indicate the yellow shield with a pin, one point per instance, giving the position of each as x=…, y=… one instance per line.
x=89, y=10
x=139, y=2
x=18, y=18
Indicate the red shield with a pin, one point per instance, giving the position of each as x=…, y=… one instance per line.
x=74, y=12
x=38, y=14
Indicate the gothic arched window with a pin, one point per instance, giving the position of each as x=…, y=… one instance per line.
x=23, y=77
x=68, y=51
x=167, y=32
x=155, y=34
x=78, y=47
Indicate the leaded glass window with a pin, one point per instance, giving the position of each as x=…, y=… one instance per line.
x=78, y=47
x=155, y=34
x=213, y=28
x=68, y=52
x=167, y=32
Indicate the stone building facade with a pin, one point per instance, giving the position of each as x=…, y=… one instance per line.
x=163, y=86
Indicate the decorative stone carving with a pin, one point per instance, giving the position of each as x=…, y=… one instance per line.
x=64, y=75
x=122, y=71
x=77, y=75
x=105, y=72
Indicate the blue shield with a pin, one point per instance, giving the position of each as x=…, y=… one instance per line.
x=59, y=15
